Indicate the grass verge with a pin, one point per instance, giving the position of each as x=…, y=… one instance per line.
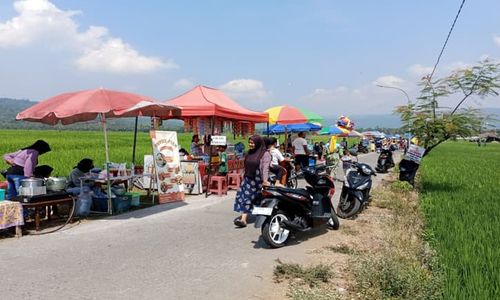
x=406, y=267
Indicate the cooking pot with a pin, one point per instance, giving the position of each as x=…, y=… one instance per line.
x=31, y=182
x=56, y=184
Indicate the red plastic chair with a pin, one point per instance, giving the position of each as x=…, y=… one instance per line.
x=218, y=185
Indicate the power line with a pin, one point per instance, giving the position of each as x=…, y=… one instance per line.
x=446, y=41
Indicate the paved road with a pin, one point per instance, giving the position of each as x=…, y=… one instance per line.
x=174, y=251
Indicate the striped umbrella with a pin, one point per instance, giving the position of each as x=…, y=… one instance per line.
x=291, y=115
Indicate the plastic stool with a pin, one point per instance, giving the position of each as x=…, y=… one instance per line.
x=233, y=181
x=220, y=185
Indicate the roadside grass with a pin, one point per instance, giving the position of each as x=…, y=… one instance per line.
x=406, y=267
x=460, y=185
x=342, y=248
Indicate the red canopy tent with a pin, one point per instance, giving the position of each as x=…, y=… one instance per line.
x=202, y=101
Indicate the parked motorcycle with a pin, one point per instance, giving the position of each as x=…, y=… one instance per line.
x=282, y=211
x=356, y=190
x=385, y=161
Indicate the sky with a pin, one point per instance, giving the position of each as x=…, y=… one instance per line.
x=326, y=56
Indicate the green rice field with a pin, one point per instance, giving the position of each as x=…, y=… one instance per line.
x=461, y=202
x=68, y=147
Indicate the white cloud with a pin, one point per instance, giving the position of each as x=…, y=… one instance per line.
x=40, y=22
x=419, y=70
x=496, y=39
x=389, y=80
x=249, y=90
x=183, y=83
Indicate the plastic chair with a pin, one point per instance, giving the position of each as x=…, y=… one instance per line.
x=233, y=181
x=218, y=185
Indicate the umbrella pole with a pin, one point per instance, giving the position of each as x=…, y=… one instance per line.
x=135, y=140
x=108, y=181
x=267, y=128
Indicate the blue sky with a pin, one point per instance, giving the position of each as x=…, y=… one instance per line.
x=327, y=56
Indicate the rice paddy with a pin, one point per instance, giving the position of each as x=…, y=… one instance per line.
x=461, y=201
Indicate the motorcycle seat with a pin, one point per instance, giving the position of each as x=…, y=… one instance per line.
x=302, y=192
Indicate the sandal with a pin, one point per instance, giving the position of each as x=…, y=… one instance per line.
x=239, y=223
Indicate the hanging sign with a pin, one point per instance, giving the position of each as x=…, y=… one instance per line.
x=218, y=140
x=167, y=163
x=415, y=153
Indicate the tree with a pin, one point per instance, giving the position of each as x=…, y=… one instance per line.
x=433, y=124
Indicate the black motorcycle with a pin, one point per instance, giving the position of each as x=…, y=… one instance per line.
x=385, y=161
x=282, y=211
x=356, y=190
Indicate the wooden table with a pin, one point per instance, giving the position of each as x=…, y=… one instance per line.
x=44, y=204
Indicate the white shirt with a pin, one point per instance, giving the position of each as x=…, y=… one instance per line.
x=299, y=144
x=277, y=157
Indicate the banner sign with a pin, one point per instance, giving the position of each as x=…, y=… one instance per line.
x=218, y=140
x=191, y=177
x=167, y=163
x=415, y=153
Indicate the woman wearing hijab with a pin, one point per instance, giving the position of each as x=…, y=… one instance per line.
x=256, y=173
x=22, y=165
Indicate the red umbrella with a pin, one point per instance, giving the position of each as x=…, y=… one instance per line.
x=81, y=106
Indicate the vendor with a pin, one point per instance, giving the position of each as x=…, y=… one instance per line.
x=22, y=164
x=80, y=170
x=196, y=146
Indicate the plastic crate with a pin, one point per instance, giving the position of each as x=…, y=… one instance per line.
x=134, y=198
x=120, y=204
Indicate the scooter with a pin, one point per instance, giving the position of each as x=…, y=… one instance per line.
x=385, y=161
x=356, y=190
x=281, y=210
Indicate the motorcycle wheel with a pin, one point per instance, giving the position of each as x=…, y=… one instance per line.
x=292, y=182
x=334, y=222
x=272, y=232
x=348, y=207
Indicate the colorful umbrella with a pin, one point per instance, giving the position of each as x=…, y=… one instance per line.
x=279, y=129
x=291, y=115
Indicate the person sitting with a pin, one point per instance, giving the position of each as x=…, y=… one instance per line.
x=276, y=159
x=43, y=171
x=183, y=154
x=75, y=177
x=196, y=146
x=22, y=164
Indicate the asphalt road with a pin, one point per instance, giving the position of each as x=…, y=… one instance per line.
x=173, y=251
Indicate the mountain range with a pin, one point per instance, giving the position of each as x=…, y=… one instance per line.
x=11, y=107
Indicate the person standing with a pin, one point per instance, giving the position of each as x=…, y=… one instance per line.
x=255, y=172
x=22, y=165
x=301, y=151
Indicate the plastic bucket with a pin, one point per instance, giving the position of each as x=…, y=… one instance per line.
x=2, y=194
x=135, y=198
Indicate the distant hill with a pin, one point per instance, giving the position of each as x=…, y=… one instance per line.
x=11, y=107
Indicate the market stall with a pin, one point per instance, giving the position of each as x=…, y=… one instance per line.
x=210, y=113
x=88, y=105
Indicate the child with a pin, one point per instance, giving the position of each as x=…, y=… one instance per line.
x=222, y=160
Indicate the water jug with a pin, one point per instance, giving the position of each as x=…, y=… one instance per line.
x=84, y=202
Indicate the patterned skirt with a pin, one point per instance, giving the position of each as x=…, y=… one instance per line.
x=247, y=193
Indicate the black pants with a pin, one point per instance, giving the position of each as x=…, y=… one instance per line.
x=278, y=170
x=302, y=160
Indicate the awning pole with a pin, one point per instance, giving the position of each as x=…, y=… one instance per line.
x=135, y=140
